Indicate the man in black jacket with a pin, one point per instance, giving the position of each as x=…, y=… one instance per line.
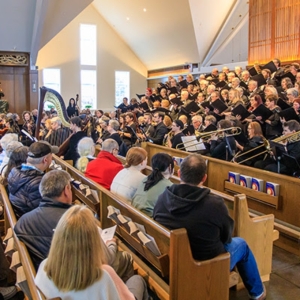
x=190, y=205
x=160, y=129
x=36, y=227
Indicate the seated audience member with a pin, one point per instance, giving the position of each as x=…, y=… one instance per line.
x=113, y=128
x=205, y=216
x=83, y=274
x=23, y=181
x=105, y=167
x=8, y=151
x=127, y=180
x=86, y=151
x=16, y=159
x=36, y=227
x=3, y=143
x=78, y=134
x=151, y=187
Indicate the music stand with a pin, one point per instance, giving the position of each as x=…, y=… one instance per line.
x=290, y=162
x=132, y=133
x=278, y=150
x=144, y=133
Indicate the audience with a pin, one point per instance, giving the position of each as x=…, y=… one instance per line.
x=127, y=180
x=86, y=151
x=151, y=187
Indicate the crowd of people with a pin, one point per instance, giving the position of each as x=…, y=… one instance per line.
x=228, y=112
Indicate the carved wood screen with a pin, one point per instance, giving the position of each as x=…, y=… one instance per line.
x=274, y=30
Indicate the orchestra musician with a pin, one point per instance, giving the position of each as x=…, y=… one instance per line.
x=29, y=126
x=174, y=136
x=72, y=109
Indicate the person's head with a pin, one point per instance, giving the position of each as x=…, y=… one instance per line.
x=12, y=146
x=210, y=119
x=76, y=256
x=270, y=90
x=290, y=127
x=252, y=85
x=162, y=167
x=71, y=102
x=136, y=156
x=197, y=121
x=177, y=126
x=230, y=76
x=254, y=129
x=193, y=170
x=110, y=146
x=48, y=124
x=294, y=68
x=125, y=100
x=255, y=101
x=223, y=124
x=235, y=82
x=271, y=101
x=233, y=95
x=165, y=103
x=222, y=76
x=266, y=73
x=129, y=118
x=292, y=94
x=225, y=70
x=200, y=98
x=75, y=123
x=296, y=104
x=16, y=157
x=225, y=94
x=103, y=122
x=147, y=118
x=113, y=125
x=189, y=78
x=277, y=62
x=286, y=83
x=245, y=75
x=238, y=70
x=56, y=184
x=40, y=154
x=183, y=119
x=55, y=123
x=8, y=137
x=85, y=148
x=34, y=112
x=214, y=96
x=158, y=117
x=184, y=95
x=27, y=116
x=99, y=113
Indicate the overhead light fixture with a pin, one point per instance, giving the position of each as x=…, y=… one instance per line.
x=144, y=9
x=127, y=18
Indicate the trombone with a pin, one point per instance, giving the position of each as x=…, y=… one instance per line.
x=206, y=135
x=289, y=138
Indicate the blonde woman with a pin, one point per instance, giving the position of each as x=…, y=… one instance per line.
x=86, y=151
x=75, y=268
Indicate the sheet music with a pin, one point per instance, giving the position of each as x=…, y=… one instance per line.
x=190, y=143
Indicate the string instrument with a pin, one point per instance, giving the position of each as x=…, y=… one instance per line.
x=64, y=146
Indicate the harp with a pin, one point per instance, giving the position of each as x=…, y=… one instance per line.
x=54, y=98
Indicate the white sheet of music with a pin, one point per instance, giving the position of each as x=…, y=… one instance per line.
x=190, y=143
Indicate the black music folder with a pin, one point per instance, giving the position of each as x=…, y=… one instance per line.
x=140, y=96
x=289, y=114
x=262, y=111
x=206, y=104
x=241, y=110
x=173, y=90
x=183, y=84
x=283, y=104
x=162, y=109
x=177, y=101
x=252, y=71
x=289, y=75
x=144, y=106
x=221, y=84
x=219, y=105
x=260, y=79
x=191, y=107
x=270, y=66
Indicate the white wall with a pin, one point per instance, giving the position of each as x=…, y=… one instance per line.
x=112, y=55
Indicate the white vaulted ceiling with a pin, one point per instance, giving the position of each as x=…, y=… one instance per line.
x=166, y=33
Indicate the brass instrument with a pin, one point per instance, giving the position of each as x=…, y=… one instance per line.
x=289, y=138
x=207, y=135
x=167, y=137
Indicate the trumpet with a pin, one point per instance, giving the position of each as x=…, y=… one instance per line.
x=231, y=131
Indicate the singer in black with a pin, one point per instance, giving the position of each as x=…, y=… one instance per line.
x=160, y=129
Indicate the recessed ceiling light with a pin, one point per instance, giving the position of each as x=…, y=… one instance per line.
x=144, y=9
x=127, y=19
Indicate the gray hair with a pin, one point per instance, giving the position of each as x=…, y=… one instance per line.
x=9, y=137
x=53, y=183
x=272, y=89
x=293, y=91
x=86, y=146
x=11, y=147
x=109, y=145
x=35, y=161
x=56, y=120
x=197, y=118
x=114, y=124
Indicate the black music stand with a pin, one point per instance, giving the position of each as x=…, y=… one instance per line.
x=291, y=163
x=278, y=150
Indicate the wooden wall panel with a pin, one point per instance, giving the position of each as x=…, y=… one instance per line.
x=274, y=30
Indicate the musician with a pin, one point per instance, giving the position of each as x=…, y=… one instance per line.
x=222, y=146
x=103, y=134
x=160, y=129
x=291, y=148
x=256, y=140
x=273, y=124
x=197, y=122
x=72, y=109
x=187, y=129
x=77, y=135
x=177, y=132
x=123, y=106
x=210, y=123
x=29, y=126
x=128, y=135
x=57, y=133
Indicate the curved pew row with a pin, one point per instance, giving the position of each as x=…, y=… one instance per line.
x=285, y=207
x=258, y=232
x=26, y=269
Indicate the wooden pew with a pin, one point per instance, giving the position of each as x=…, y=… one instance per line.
x=27, y=266
x=285, y=207
x=258, y=232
